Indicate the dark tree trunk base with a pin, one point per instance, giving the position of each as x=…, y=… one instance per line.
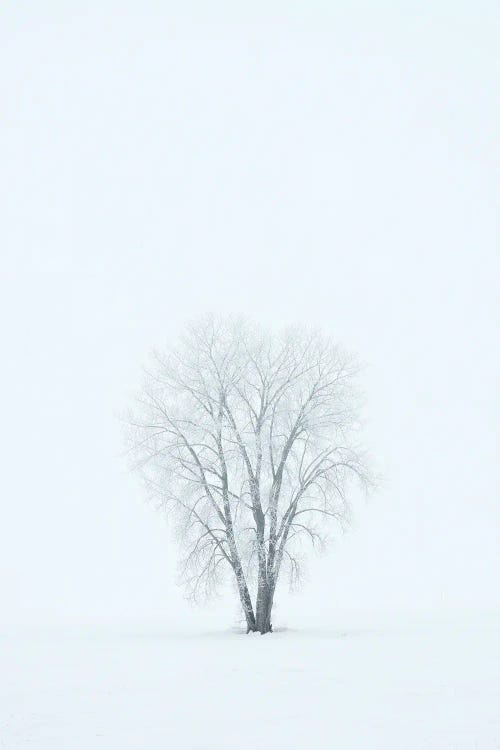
x=263, y=631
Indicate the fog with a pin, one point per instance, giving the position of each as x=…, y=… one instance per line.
x=327, y=163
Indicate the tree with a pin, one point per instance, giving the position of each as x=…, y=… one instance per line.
x=248, y=440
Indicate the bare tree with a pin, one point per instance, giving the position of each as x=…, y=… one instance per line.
x=249, y=439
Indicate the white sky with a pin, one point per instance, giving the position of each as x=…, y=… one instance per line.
x=319, y=162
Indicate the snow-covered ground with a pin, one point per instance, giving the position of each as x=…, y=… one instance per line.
x=431, y=688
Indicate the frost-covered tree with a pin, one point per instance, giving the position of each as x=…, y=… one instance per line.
x=248, y=440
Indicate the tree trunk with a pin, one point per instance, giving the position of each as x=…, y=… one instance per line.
x=246, y=602
x=248, y=611
x=265, y=599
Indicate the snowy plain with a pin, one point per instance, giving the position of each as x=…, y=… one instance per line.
x=323, y=163
x=420, y=687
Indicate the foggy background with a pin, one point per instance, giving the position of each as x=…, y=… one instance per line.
x=327, y=163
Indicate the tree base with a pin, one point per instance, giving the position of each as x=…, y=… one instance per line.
x=255, y=629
